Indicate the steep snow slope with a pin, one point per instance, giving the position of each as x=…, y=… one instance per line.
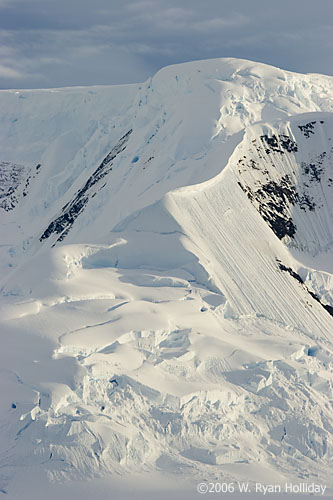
x=183, y=118
x=166, y=269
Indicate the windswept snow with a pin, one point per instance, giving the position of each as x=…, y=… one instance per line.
x=166, y=277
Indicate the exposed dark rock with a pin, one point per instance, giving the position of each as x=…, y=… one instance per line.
x=307, y=129
x=147, y=161
x=254, y=164
x=62, y=224
x=10, y=179
x=306, y=202
x=328, y=308
x=279, y=144
x=297, y=277
x=272, y=201
x=14, y=182
x=314, y=170
x=290, y=271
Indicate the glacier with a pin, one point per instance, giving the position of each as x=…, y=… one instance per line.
x=166, y=282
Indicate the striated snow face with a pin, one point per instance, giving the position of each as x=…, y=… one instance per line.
x=166, y=277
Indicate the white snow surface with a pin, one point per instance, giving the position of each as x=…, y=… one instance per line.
x=166, y=282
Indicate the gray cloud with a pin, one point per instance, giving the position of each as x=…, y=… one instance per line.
x=10, y=73
x=78, y=42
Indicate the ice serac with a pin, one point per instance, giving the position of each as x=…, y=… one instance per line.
x=167, y=271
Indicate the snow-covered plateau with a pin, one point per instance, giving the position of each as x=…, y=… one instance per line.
x=166, y=311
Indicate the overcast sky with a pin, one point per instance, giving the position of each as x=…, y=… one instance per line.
x=52, y=43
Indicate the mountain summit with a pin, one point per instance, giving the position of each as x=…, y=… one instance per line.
x=166, y=276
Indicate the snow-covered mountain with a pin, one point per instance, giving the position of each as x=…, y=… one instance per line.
x=166, y=277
